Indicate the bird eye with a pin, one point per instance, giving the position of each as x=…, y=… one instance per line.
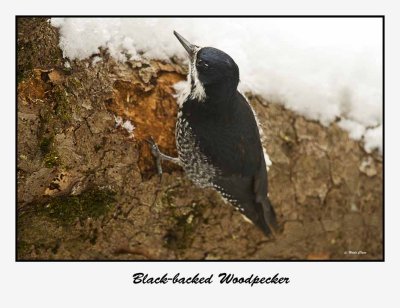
x=202, y=63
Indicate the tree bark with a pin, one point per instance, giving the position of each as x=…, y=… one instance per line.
x=88, y=188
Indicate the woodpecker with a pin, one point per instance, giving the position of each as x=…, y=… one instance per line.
x=217, y=136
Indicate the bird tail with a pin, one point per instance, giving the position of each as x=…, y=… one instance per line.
x=269, y=223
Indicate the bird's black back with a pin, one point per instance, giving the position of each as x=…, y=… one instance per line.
x=226, y=132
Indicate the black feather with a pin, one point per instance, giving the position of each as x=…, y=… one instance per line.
x=227, y=134
x=218, y=139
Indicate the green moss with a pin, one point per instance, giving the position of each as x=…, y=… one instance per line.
x=52, y=159
x=62, y=109
x=181, y=235
x=74, y=82
x=91, y=203
x=44, y=224
x=46, y=144
x=49, y=124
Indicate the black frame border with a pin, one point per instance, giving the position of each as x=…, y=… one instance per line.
x=382, y=17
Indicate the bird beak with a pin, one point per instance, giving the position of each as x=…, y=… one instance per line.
x=190, y=48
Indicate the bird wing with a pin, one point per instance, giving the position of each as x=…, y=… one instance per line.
x=243, y=180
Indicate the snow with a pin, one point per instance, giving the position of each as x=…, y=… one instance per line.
x=373, y=139
x=182, y=91
x=96, y=59
x=127, y=125
x=323, y=68
x=355, y=129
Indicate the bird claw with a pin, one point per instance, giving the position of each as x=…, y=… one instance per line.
x=155, y=151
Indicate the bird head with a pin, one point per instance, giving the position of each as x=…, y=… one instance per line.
x=210, y=66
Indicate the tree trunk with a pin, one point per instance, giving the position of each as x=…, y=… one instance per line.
x=88, y=187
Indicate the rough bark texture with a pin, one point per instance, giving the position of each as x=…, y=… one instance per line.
x=87, y=189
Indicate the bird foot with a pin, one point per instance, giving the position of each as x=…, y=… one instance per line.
x=155, y=151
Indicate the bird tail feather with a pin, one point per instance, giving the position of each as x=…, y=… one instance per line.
x=270, y=224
